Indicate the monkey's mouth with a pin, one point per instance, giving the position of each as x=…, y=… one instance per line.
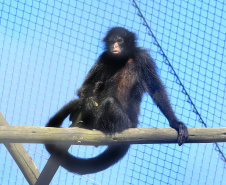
x=115, y=51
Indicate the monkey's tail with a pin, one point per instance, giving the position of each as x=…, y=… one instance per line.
x=92, y=165
x=59, y=117
x=78, y=165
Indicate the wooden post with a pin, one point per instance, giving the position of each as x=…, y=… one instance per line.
x=21, y=157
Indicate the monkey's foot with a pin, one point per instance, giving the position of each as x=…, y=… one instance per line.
x=182, y=134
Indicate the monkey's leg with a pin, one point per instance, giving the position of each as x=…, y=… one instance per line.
x=111, y=117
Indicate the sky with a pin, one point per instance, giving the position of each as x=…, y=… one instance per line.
x=48, y=47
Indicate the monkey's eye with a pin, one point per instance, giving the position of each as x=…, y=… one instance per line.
x=120, y=40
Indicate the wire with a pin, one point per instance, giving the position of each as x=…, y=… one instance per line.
x=175, y=74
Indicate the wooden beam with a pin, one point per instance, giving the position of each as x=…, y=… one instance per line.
x=79, y=136
x=49, y=170
x=21, y=157
x=52, y=164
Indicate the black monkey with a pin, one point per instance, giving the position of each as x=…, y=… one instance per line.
x=110, y=97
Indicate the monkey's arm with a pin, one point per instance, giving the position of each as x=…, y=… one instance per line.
x=157, y=91
x=90, y=88
x=89, y=85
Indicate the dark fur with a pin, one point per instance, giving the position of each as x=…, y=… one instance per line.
x=116, y=83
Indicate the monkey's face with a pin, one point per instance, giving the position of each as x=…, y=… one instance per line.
x=120, y=43
x=115, y=45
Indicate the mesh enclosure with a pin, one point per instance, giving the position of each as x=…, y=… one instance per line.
x=48, y=47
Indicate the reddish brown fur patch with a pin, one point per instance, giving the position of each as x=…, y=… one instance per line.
x=126, y=82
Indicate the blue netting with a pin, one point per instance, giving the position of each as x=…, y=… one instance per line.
x=47, y=48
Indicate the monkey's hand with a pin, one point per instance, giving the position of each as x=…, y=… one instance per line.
x=182, y=133
x=90, y=103
x=99, y=86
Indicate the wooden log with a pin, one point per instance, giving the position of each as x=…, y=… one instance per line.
x=79, y=136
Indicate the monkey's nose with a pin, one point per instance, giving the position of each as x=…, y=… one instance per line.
x=116, y=45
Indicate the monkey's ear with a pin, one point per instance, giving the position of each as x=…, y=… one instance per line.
x=131, y=39
x=109, y=33
x=104, y=39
